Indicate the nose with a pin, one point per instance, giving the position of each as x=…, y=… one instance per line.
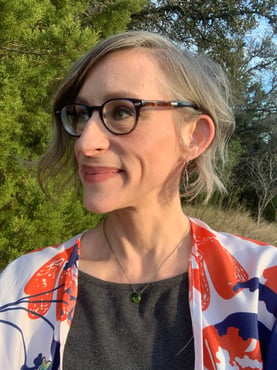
x=94, y=139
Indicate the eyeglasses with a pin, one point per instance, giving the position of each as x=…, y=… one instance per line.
x=119, y=116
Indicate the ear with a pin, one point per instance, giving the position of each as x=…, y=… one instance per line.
x=197, y=136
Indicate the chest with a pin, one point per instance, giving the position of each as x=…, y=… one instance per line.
x=108, y=331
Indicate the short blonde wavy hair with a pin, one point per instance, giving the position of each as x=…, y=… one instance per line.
x=186, y=76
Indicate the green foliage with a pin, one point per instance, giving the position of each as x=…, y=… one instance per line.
x=39, y=41
x=100, y=14
x=32, y=221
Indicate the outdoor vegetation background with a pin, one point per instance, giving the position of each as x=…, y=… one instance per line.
x=39, y=41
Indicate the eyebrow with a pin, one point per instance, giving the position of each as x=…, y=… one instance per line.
x=80, y=100
x=115, y=95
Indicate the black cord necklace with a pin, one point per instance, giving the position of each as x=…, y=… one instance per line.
x=136, y=295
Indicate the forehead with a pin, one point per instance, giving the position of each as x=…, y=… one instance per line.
x=134, y=72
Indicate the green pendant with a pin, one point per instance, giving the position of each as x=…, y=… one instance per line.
x=135, y=297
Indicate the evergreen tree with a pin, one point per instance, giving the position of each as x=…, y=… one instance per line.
x=39, y=41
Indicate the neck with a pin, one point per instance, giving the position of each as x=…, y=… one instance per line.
x=144, y=230
x=142, y=239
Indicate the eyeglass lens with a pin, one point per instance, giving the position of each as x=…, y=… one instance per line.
x=118, y=116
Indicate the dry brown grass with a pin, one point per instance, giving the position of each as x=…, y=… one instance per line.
x=235, y=222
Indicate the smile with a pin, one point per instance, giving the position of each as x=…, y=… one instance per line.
x=99, y=174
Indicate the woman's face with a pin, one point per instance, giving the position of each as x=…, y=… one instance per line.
x=139, y=168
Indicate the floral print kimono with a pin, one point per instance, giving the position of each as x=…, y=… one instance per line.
x=233, y=303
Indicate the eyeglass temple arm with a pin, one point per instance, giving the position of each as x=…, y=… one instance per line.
x=164, y=103
x=183, y=104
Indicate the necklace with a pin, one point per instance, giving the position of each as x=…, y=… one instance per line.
x=136, y=295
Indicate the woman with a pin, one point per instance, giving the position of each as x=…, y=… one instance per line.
x=156, y=289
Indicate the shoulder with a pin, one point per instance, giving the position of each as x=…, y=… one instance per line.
x=236, y=267
x=253, y=254
x=234, y=281
x=48, y=260
x=203, y=231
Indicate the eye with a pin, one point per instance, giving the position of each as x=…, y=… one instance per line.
x=119, y=110
x=81, y=114
x=81, y=117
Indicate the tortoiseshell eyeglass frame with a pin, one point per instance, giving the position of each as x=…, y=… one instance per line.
x=137, y=103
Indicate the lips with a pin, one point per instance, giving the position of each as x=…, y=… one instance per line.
x=96, y=174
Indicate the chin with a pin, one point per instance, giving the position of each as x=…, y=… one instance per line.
x=98, y=207
x=100, y=210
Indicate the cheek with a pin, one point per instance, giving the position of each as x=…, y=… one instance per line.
x=158, y=152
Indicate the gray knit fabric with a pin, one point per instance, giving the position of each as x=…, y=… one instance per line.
x=110, y=332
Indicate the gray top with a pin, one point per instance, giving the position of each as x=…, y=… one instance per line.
x=110, y=332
